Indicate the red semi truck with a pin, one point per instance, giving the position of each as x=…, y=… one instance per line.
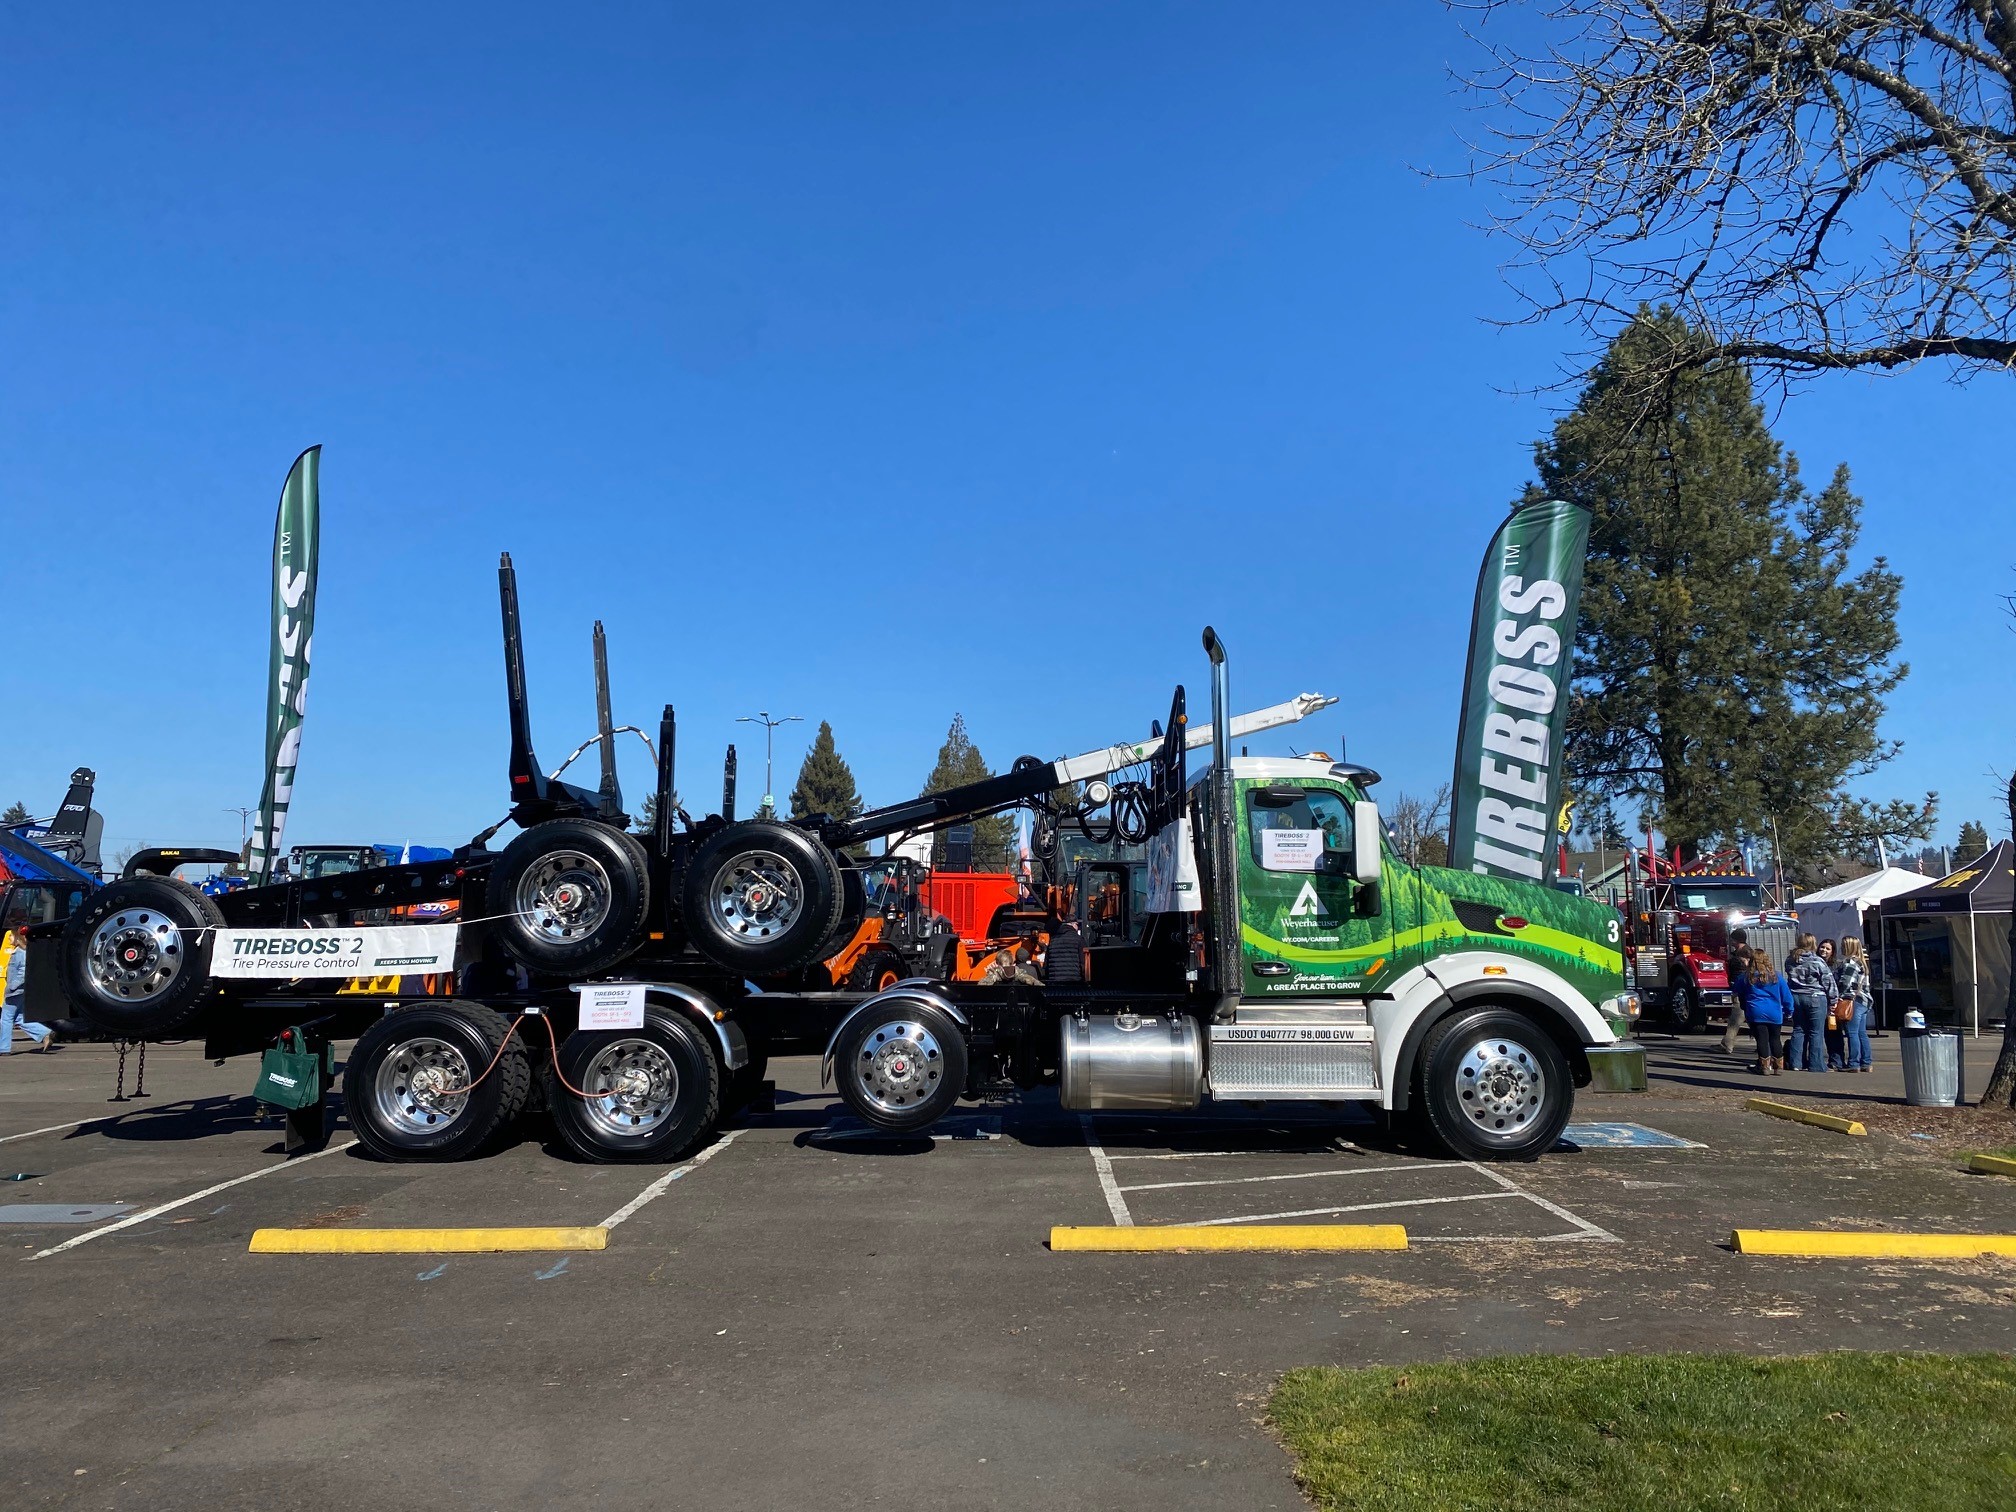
x=1676, y=940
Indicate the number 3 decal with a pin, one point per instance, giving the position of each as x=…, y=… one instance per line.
x=1614, y=932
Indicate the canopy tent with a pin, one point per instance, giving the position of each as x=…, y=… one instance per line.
x=1948, y=941
x=1843, y=908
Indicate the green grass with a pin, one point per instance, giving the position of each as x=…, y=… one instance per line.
x=1641, y=1433
x=2007, y=1152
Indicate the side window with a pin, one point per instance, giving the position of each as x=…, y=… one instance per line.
x=1299, y=829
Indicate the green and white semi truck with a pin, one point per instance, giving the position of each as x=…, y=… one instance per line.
x=1287, y=955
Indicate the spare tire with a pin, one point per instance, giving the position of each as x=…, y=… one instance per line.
x=573, y=894
x=135, y=958
x=762, y=897
x=853, y=908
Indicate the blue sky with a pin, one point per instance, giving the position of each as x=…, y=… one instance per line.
x=869, y=363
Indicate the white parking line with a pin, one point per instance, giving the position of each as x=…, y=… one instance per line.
x=169, y=1207
x=75, y=1123
x=1588, y=1229
x=1356, y=1207
x=663, y=1184
x=1100, y=1163
x=1163, y=1186
x=1328, y=1149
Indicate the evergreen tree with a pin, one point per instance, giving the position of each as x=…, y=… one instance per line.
x=1730, y=668
x=825, y=782
x=1973, y=843
x=17, y=813
x=960, y=762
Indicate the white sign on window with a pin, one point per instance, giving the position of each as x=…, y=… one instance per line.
x=612, y=1005
x=1291, y=850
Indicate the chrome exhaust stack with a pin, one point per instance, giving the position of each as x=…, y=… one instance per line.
x=1221, y=842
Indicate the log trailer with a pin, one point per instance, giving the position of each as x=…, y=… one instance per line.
x=701, y=914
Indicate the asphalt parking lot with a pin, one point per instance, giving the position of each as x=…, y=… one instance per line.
x=815, y=1312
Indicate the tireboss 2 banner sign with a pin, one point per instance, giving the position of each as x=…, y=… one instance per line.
x=376, y=950
x=1515, y=693
x=297, y=534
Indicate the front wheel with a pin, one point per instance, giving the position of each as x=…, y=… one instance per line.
x=1493, y=1085
x=627, y=1095
x=901, y=1065
x=1688, y=1010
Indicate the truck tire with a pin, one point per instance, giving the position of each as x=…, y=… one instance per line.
x=655, y=1092
x=135, y=958
x=901, y=1066
x=877, y=971
x=762, y=898
x=853, y=908
x=1491, y=1084
x=573, y=894
x=1689, y=1014
x=400, y=1085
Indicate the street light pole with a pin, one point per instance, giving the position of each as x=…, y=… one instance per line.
x=762, y=717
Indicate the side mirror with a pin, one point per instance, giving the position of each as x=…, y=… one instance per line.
x=1367, y=856
x=1366, y=851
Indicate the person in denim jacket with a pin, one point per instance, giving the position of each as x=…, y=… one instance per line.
x=1851, y=977
x=1813, y=993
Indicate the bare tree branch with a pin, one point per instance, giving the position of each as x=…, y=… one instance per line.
x=1814, y=185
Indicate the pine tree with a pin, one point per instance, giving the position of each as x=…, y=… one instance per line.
x=1730, y=668
x=17, y=813
x=1973, y=843
x=825, y=782
x=960, y=762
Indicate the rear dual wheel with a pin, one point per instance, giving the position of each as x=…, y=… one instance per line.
x=627, y=1095
x=415, y=1086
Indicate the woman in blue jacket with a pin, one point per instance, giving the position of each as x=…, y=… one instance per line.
x=1767, y=1003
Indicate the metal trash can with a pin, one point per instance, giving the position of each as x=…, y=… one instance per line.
x=1931, y=1068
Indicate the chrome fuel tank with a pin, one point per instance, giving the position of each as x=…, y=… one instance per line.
x=1127, y=1061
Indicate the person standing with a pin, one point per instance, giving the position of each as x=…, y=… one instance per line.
x=1766, y=1002
x=14, y=945
x=1852, y=978
x=1813, y=994
x=1837, y=1017
x=1739, y=941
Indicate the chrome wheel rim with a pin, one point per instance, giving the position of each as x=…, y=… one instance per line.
x=135, y=955
x=1501, y=1089
x=758, y=895
x=898, y=1065
x=563, y=896
x=633, y=1087
x=422, y=1086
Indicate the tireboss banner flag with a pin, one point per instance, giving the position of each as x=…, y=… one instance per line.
x=296, y=546
x=1515, y=693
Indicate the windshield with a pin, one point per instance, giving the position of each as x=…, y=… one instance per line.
x=309, y=864
x=1728, y=897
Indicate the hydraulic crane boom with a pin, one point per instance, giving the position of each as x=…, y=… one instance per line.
x=1030, y=777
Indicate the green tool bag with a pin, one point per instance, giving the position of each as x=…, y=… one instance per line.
x=291, y=1075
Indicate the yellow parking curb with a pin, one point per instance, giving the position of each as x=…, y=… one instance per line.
x=1830, y=1245
x=1995, y=1165
x=423, y=1241
x=1230, y=1236
x=1804, y=1115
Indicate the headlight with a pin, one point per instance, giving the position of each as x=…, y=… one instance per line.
x=1625, y=1006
